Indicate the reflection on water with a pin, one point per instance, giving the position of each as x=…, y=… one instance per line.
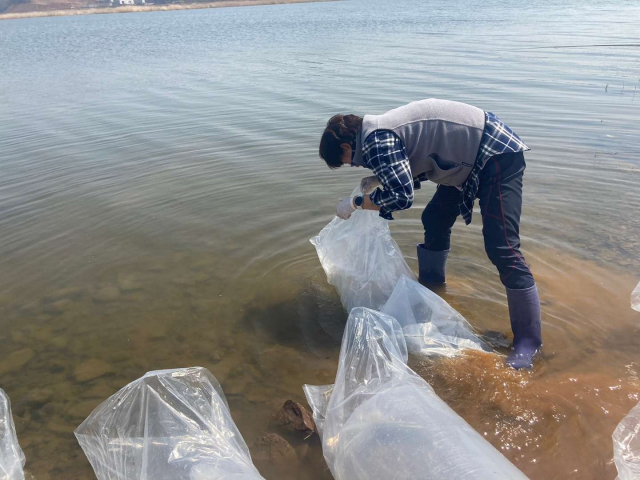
x=159, y=182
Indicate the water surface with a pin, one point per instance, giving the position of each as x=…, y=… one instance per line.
x=159, y=182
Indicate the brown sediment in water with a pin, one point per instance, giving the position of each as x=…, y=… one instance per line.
x=264, y=335
x=150, y=8
x=551, y=425
x=557, y=420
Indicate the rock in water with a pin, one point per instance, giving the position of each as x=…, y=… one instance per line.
x=92, y=368
x=107, y=294
x=16, y=360
x=274, y=456
x=129, y=282
x=68, y=292
x=38, y=397
x=59, y=306
x=296, y=418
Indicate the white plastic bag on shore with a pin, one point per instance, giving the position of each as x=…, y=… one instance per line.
x=381, y=420
x=11, y=457
x=361, y=259
x=635, y=298
x=626, y=446
x=167, y=425
x=430, y=325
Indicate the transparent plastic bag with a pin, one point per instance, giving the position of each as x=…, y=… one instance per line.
x=361, y=259
x=430, y=324
x=167, y=425
x=635, y=298
x=12, y=458
x=626, y=446
x=381, y=420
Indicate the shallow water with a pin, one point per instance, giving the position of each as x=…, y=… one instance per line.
x=159, y=183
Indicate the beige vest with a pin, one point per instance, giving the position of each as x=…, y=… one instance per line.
x=441, y=137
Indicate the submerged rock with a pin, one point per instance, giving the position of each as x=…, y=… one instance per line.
x=272, y=453
x=16, y=360
x=69, y=292
x=100, y=391
x=92, y=368
x=281, y=361
x=38, y=397
x=296, y=418
x=302, y=451
x=158, y=331
x=59, y=306
x=258, y=393
x=42, y=334
x=58, y=426
x=108, y=293
x=60, y=342
x=81, y=410
x=18, y=337
x=239, y=380
x=129, y=282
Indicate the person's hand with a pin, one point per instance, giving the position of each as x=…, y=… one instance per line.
x=369, y=184
x=345, y=208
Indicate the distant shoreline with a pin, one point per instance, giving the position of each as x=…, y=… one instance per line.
x=150, y=8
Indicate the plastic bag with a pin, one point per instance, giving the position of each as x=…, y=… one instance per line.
x=361, y=259
x=382, y=421
x=635, y=298
x=167, y=425
x=12, y=458
x=626, y=445
x=430, y=324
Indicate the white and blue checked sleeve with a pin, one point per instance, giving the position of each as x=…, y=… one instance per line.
x=384, y=153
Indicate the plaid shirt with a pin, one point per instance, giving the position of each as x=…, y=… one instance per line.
x=384, y=153
x=497, y=138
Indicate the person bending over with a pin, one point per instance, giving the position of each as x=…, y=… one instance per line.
x=470, y=154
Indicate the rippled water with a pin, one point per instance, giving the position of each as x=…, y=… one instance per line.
x=159, y=182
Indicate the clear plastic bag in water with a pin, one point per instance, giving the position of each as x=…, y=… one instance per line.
x=381, y=420
x=430, y=325
x=626, y=446
x=167, y=425
x=361, y=259
x=12, y=458
x=635, y=298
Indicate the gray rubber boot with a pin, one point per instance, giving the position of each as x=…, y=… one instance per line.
x=431, y=265
x=524, y=311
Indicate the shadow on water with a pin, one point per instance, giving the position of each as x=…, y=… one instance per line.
x=314, y=317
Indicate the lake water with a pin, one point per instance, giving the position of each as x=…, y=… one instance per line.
x=159, y=182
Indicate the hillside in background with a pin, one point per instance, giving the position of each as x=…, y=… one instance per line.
x=17, y=6
x=20, y=6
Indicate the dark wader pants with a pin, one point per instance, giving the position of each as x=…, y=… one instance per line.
x=500, y=195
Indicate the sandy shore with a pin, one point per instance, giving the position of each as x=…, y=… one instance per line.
x=151, y=8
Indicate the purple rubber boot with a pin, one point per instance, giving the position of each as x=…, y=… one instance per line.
x=431, y=265
x=524, y=311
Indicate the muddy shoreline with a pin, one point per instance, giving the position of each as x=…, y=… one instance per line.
x=150, y=8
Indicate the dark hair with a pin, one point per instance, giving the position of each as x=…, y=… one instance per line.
x=340, y=129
